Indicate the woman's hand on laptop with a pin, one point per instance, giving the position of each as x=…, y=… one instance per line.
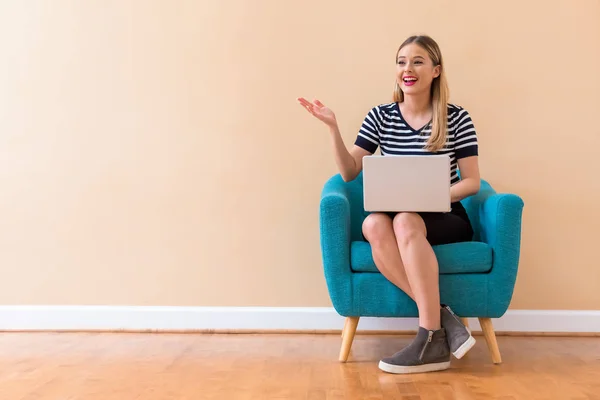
x=319, y=110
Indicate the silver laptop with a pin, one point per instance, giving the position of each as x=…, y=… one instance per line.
x=406, y=183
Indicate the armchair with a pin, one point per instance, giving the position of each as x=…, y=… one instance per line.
x=477, y=278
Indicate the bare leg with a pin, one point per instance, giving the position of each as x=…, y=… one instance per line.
x=379, y=231
x=421, y=267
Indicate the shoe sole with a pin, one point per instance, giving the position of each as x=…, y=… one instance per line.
x=465, y=347
x=413, y=369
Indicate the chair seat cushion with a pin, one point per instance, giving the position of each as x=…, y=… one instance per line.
x=454, y=258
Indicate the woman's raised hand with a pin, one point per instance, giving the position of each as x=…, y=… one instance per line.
x=319, y=110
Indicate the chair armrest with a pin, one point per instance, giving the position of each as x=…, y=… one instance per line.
x=334, y=221
x=500, y=218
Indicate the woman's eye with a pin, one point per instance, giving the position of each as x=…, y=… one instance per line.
x=401, y=62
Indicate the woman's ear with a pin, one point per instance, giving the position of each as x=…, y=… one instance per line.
x=436, y=71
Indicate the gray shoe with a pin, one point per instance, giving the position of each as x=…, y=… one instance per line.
x=459, y=336
x=428, y=352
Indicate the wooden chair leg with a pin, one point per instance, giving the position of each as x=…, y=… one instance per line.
x=490, y=338
x=348, y=337
x=345, y=326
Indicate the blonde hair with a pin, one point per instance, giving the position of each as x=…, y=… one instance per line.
x=439, y=92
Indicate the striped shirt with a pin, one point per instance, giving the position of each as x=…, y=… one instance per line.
x=384, y=126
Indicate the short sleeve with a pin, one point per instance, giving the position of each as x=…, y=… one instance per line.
x=465, y=136
x=368, y=134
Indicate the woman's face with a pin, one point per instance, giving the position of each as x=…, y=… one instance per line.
x=415, y=70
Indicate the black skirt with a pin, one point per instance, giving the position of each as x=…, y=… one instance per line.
x=446, y=227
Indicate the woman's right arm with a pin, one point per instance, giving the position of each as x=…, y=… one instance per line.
x=349, y=163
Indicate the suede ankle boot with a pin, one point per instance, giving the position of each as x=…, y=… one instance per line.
x=428, y=352
x=459, y=336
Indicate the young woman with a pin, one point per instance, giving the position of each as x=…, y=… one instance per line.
x=419, y=121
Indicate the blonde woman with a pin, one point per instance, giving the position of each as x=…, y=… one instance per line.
x=419, y=121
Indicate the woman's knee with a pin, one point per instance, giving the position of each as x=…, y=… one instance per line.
x=407, y=226
x=377, y=226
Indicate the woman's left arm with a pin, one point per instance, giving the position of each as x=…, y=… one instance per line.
x=470, y=179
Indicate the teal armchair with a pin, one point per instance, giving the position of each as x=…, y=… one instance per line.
x=477, y=278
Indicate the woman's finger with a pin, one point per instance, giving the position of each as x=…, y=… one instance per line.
x=310, y=107
x=304, y=102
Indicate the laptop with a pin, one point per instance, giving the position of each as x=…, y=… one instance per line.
x=406, y=183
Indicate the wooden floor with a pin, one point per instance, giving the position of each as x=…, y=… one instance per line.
x=68, y=366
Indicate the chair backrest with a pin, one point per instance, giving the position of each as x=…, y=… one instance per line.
x=358, y=213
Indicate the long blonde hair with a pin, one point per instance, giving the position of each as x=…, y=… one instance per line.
x=439, y=92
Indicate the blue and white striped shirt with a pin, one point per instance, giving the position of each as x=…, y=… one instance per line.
x=384, y=126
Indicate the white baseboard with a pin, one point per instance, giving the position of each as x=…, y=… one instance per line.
x=310, y=319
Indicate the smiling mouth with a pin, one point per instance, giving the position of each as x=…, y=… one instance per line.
x=409, y=80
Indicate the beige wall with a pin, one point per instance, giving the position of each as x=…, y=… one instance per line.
x=152, y=152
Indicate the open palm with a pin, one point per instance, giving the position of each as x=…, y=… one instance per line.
x=319, y=110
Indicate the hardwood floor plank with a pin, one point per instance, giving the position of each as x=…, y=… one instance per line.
x=110, y=366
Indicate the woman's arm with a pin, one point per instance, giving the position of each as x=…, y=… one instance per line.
x=470, y=179
x=349, y=163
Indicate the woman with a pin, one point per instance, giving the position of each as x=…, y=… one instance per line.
x=419, y=121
